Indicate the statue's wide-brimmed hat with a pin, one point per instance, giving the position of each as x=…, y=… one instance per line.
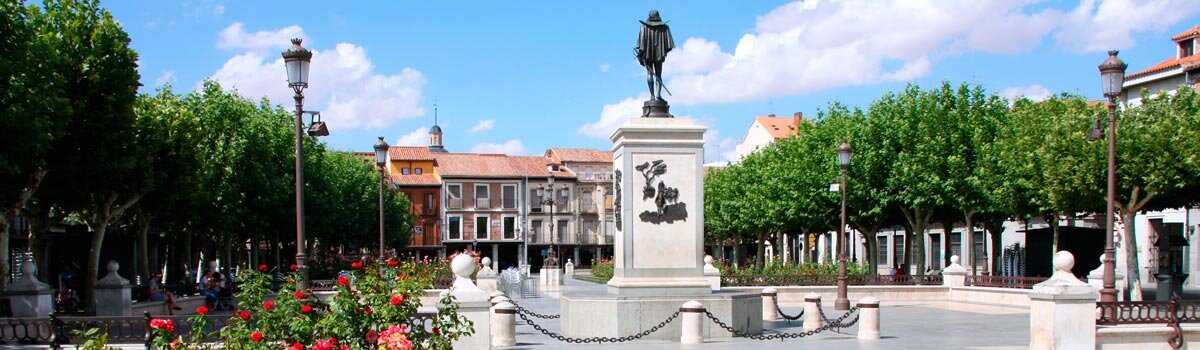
x=654, y=19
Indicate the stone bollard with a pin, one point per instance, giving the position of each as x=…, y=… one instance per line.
x=692, y=331
x=500, y=299
x=472, y=303
x=569, y=268
x=868, y=318
x=28, y=296
x=769, y=300
x=711, y=273
x=1062, y=310
x=504, y=324
x=1096, y=278
x=113, y=297
x=486, y=277
x=954, y=275
x=812, y=311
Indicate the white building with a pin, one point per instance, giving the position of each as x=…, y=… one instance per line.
x=765, y=130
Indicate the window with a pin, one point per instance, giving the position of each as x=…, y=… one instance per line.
x=417, y=171
x=609, y=228
x=427, y=206
x=482, y=200
x=586, y=198
x=955, y=247
x=563, y=201
x=508, y=196
x=587, y=173
x=535, y=201
x=935, y=252
x=881, y=248
x=898, y=249
x=1186, y=49
x=403, y=171
x=979, y=255
x=535, y=227
x=454, y=193
x=561, y=229
x=454, y=227
x=510, y=227
x=481, y=227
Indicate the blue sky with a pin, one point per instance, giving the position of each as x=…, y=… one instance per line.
x=519, y=77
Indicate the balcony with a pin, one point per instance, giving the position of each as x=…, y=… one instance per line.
x=588, y=208
x=542, y=238
x=483, y=203
x=598, y=177
x=454, y=203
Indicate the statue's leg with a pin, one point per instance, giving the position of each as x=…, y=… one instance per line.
x=650, y=80
x=658, y=77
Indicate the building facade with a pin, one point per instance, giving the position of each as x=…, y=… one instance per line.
x=765, y=130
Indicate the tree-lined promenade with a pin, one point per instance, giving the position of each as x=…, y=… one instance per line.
x=959, y=155
x=206, y=169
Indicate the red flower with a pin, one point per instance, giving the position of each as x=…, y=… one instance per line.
x=306, y=309
x=343, y=281
x=356, y=264
x=402, y=276
x=344, y=347
x=396, y=300
x=256, y=336
x=372, y=336
x=437, y=330
x=333, y=340
x=393, y=263
x=323, y=345
x=203, y=310
x=298, y=346
x=294, y=267
x=262, y=267
x=268, y=305
x=299, y=294
x=163, y=324
x=245, y=315
x=368, y=310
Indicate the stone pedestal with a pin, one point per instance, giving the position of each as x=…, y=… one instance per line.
x=1062, y=310
x=28, y=296
x=812, y=311
x=550, y=277
x=113, y=297
x=472, y=303
x=569, y=268
x=954, y=275
x=1095, y=278
x=868, y=326
x=711, y=273
x=504, y=324
x=692, y=322
x=656, y=108
x=659, y=182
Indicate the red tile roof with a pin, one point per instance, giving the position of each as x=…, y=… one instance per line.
x=777, y=127
x=416, y=180
x=579, y=155
x=1170, y=63
x=1191, y=32
x=410, y=153
x=493, y=165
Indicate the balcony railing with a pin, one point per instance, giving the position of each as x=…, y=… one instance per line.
x=829, y=280
x=588, y=208
x=454, y=203
x=427, y=211
x=596, y=177
x=543, y=238
x=483, y=203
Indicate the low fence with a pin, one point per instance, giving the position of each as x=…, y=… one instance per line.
x=1171, y=313
x=1019, y=282
x=829, y=280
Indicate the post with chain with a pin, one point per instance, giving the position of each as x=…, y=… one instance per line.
x=769, y=301
x=812, y=311
x=868, y=312
x=692, y=331
x=504, y=324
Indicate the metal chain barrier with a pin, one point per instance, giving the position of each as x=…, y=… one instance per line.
x=525, y=311
x=781, y=336
x=599, y=340
x=785, y=316
x=838, y=322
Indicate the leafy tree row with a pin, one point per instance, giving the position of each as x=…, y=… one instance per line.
x=958, y=155
x=206, y=168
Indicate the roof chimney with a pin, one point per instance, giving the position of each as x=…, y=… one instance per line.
x=797, y=118
x=772, y=115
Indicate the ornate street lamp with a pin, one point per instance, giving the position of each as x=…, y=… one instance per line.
x=843, y=303
x=551, y=261
x=1112, y=77
x=297, y=59
x=381, y=160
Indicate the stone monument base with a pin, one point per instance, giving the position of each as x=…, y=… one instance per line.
x=657, y=108
x=651, y=286
x=550, y=277
x=607, y=315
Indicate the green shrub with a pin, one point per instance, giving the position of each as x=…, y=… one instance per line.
x=603, y=270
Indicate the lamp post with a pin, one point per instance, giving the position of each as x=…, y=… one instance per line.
x=297, y=59
x=548, y=199
x=1112, y=77
x=381, y=160
x=842, y=303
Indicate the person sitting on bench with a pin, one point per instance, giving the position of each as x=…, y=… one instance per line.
x=158, y=294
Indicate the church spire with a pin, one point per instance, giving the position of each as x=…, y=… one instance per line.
x=435, y=132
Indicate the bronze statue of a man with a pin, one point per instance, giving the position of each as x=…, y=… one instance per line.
x=654, y=42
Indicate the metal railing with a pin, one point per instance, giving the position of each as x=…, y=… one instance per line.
x=1020, y=282
x=483, y=203
x=829, y=280
x=454, y=203
x=1172, y=313
x=596, y=177
x=56, y=331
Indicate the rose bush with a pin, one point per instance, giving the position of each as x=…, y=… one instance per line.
x=372, y=309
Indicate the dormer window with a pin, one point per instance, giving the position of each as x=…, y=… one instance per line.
x=1187, y=48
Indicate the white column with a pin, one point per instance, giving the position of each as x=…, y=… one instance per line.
x=692, y=331
x=812, y=311
x=1062, y=310
x=821, y=251
x=504, y=324
x=868, y=313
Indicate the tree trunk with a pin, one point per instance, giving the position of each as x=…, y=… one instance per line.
x=995, y=231
x=1128, y=211
x=143, y=248
x=10, y=210
x=917, y=218
x=100, y=226
x=947, y=230
x=969, y=239
x=1052, y=219
x=5, y=268
x=906, y=260
x=758, y=255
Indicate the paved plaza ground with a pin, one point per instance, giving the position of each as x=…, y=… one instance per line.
x=916, y=325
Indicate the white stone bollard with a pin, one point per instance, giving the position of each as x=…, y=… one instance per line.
x=711, y=273
x=692, y=331
x=812, y=311
x=769, y=298
x=868, y=318
x=504, y=324
x=113, y=296
x=569, y=267
x=954, y=275
x=472, y=303
x=1062, y=310
x=28, y=296
x=499, y=299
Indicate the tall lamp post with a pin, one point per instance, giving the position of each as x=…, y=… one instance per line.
x=842, y=303
x=381, y=160
x=1112, y=77
x=297, y=59
x=548, y=199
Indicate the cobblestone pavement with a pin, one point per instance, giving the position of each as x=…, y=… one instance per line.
x=916, y=325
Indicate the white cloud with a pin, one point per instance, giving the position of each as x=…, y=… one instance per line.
x=612, y=116
x=511, y=147
x=697, y=55
x=419, y=137
x=604, y=67
x=343, y=85
x=219, y=10
x=483, y=125
x=1033, y=92
x=235, y=37
x=1109, y=24
x=165, y=77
